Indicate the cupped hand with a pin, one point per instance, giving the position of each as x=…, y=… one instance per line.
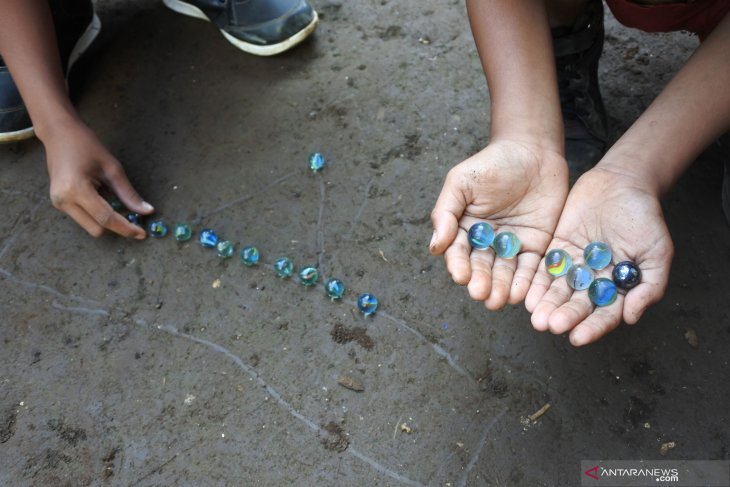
x=79, y=166
x=618, y=209
x=515, y=187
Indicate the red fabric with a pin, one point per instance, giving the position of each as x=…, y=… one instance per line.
x=698, y=16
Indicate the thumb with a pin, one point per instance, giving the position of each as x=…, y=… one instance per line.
x=445, y=218
x=120, y=185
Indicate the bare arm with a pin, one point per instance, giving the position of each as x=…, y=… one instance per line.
x=691, y=112
x=519, y=182
x=515, y=47
x=78, y=164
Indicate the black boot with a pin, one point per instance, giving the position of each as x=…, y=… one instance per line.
x=76, y=27
x=577, y=51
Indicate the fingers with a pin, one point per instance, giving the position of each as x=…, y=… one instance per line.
x=117, y=180
x=445, y=216
x=480, y=284
x=457, y=258
x=527, y=264
x=557, y=294
x=502, y=273
x=84, y=220
x=105, y=216
x=600, y=322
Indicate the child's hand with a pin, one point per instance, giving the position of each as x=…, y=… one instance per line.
x=78, y=165
x=514, y=187
x=621, y=211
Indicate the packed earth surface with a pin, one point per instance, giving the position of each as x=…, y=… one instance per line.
x=158, y=363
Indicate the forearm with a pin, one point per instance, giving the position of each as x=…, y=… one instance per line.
x=514, y=44
x=691, y=112
x=28, y=47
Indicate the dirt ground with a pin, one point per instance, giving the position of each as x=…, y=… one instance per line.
x=123, y=364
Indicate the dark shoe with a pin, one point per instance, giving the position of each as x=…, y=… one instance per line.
x=76, y=27
x=260, y=27
x=14, y=120
x=577, y=51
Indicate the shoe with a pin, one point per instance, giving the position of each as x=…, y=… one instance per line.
x=76, y=27
x=577, y=51
x=260, y=27
x=14, y=119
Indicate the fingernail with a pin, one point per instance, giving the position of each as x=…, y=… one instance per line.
x=147, y=207
x=433, y=240
x=141, y=236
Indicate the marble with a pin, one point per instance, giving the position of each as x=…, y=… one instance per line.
x=557, y=262
x=308, y=276
x=250, y=255
x=284, y=267
x=597, y=255
x=208, y=238
x=626, y=275
x=117, y=205
x=579, y=277
x=602, y=292
x=335, y=289
x=481, y=235
x=134, y=218
x=506, y=245
x=367, y=304
x=224, y=249
x=157, y=228
x=182, y=232
x=316, y=162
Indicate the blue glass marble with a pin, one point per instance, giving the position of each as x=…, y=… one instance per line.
x=316, y=161
x=367, y=304
x=602, y=292
x=117, y=205
x=579, y=277
x=481, y=235
x=557, y=262
x=626, y=275
x=284, y=267
x=506, y=245
x=157, y=228
x=597, y=255
x=308, y=276
x=250, y=256
x=182, y=232
x=335, y=289
x=224, y=249
x=134, y=219
x=208, y=238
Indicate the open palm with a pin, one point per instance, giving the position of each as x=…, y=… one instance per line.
x=514, y=187
x=612, y=208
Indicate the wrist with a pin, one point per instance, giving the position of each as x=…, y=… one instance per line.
x=56, y=123
x=652, y=171
x=548, y=136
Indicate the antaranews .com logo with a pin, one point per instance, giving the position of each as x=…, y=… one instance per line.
x=679, y=473
x=656, y=474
